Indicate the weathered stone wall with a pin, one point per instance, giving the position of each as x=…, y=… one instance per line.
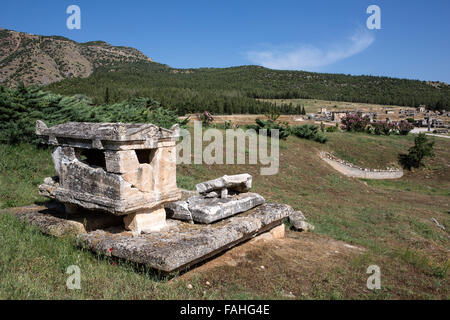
x=357, y=172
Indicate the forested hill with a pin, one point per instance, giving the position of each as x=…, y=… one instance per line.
x=227, y=90
x=109, y=74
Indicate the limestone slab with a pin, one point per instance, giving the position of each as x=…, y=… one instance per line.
x=177, y=246
x=54, y=221
x=181, y=244
x=209, y=210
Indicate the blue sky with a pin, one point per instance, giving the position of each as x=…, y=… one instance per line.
x=313, y=35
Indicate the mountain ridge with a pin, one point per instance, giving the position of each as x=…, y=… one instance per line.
x=40, y=60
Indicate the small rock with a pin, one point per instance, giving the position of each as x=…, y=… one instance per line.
x=288, y=295
x=298, y=221
x=208, y=283
x=212, y=194
x=437, y=223
x=303, y=226
x=189, y=286
x=178, y=210
x=296, y=216
x=262, y=267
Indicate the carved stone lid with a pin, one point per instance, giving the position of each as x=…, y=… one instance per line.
x=105, y=132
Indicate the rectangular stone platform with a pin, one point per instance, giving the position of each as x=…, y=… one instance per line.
x=178, y=246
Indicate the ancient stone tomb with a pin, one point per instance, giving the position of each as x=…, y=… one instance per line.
x=128, y=170
x=110, y=170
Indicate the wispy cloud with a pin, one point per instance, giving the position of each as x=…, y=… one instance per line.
x=308, y=57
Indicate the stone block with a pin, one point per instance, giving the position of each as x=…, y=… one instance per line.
x=121, y=161
x=274, y=233
x=145, y=221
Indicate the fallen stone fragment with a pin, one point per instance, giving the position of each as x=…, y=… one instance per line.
x=224, y=193
x=303, y=226
x=49, y=187
x=208, y=210
x=238, y=182
x=178, y=210
x=53, y=226
x=296, y=218
x=212, y=194
x=298, y=221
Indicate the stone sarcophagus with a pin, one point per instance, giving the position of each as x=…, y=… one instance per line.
x=124, y=169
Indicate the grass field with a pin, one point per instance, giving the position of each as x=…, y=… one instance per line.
x=358, y=223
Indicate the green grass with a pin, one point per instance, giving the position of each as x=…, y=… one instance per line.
x=369, y=151
x=186, y=182
x=33, y=266
x=22, y=168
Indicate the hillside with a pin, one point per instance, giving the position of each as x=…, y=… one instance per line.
x=37, y=59
x=94, y=68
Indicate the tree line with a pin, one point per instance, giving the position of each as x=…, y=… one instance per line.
x=234, y=90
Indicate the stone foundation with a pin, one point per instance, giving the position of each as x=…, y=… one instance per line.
x=177, y=246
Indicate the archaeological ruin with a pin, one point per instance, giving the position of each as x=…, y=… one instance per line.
x=115, y=190
x=128, y=170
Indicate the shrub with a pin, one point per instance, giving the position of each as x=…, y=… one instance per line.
x=226, y=125
x=283, y=128
x=421, y=149
x=206, y=118
x=309, y=132
x=21, y=107
x=332, y=129
x=354, y=122
x=404, y=127
x=383, y=127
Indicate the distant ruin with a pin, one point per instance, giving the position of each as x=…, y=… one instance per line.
x=354, y=171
